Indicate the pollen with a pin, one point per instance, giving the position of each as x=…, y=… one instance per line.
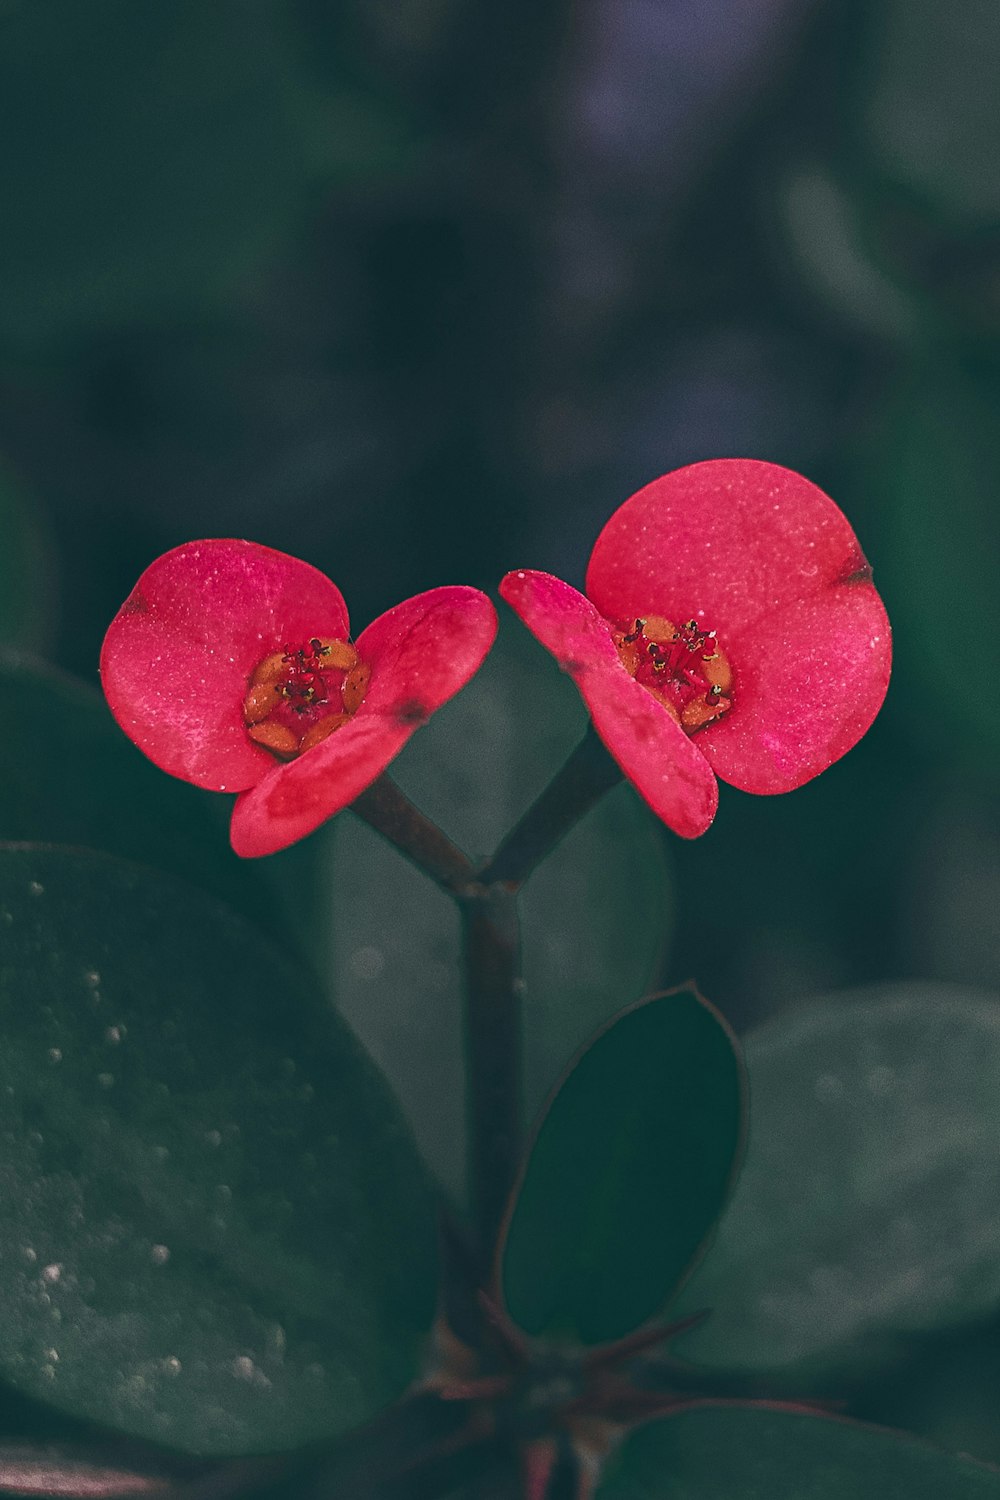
x=298, y=695
x=682, y=666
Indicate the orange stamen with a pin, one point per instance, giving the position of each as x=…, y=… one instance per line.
x=682, y=666
x=300, y=694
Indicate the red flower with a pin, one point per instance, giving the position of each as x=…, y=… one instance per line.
x=730, y=628
x=230, y=665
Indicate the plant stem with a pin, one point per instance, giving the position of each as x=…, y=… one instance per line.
x=422, y=1446
x=391, y=813
x=491, y=953
x=586, y=776
x=491, y=943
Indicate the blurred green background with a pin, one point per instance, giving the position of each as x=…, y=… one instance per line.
x=420, y=290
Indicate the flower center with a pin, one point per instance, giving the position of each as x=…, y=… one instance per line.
x=300, y=694
x=683, y=666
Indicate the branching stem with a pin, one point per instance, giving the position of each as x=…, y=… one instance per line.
x=491, y=952
x=583, y=780
x=391, y=813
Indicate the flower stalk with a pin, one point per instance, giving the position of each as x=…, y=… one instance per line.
x=386, y=809
x=491, y=952
x=574, y=790
x=491, y=956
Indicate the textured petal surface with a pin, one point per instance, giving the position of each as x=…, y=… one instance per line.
x=421, y=653
x=660, y=760
x=177, y=656
x=423, y=650
x=723, y=542
x=294, y=799
x=809, y=679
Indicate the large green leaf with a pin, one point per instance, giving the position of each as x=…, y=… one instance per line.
x=152, y=154
x=68, y=775
x=944, y=1389
x=595, y=915
x=628, y=1173
x=761, y=1453
x=216, y=1233
x=869, y=1204
x=73, y=1472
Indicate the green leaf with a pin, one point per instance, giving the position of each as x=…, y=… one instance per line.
x=68, y=775
x=79, y=1470
x=26, y=583
x=153, y=157
x=630, y=1169
x=216, y=1232
x=765, y=1453
x=945, y=1389
x=867, y=1207
x=595, y=915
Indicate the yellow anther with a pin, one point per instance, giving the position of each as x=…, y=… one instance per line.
x=682, y=667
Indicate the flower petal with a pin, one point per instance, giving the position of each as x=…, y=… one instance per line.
x=421, y=653
x=810, y=679
x=294, y=799
x=424, y=650
x=177, y=656
x=655, y=754
x=724, y=542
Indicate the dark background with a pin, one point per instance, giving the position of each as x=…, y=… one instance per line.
x=421, y=290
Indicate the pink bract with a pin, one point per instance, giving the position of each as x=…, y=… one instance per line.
x=764, y=560
x=179, y=656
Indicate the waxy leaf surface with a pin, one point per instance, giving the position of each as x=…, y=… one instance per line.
x=83, y=1471
x=760, y=1453
x=868, y=1208
x=630, y=1169
x=216, y=1232
x=69, y=776
x=595, y=914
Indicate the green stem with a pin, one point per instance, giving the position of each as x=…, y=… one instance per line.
x=586, y=776
x=491, y=952
x=491, y=946
x=391, y=813
x=422, y=1446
